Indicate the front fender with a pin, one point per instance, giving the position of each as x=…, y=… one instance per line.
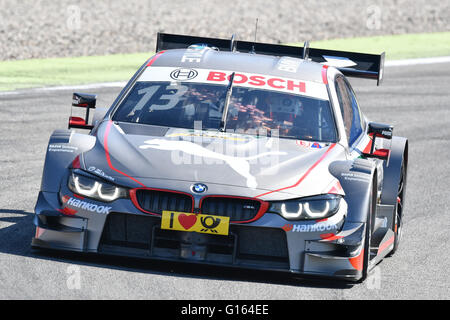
x=356, y=178
x=63, y=147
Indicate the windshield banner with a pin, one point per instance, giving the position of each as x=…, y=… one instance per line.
x=241, y=79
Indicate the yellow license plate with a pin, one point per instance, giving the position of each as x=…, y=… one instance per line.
x=202, y=223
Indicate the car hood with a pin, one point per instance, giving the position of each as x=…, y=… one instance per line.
x=159, y=157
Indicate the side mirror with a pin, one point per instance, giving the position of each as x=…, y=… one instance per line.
x=77, y=122
x=379, y=130
x=82, y=100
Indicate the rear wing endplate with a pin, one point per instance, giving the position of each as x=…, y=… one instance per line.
x=351, y=64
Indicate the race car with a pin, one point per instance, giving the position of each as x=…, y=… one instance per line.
x=230, y=153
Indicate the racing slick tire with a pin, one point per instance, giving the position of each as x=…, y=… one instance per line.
x=370, y=224
x=398, y=222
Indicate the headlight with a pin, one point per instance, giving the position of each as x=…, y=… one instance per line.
x=318, y=207
x=90, y=187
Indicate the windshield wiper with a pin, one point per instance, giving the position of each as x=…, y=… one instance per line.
x=223, y=122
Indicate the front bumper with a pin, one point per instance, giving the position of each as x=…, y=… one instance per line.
x=331, y=248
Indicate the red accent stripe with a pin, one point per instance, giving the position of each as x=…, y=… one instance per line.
x=337, y=189
x=368, y=146
x=324, y=74
x=156, y=56
x=330, y=236
x=39, y=232
x=385, y=245
x=108, y=128
x=65, y=199
x=67, y=211
x=76, y=163
x=108, y=159
x=304, y=175
x=382, y=152
x=77, y=121
x=357, y=262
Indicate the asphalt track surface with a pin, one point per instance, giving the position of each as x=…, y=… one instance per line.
x=415, y=99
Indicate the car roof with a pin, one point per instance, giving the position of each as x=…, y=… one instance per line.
x=207, y=58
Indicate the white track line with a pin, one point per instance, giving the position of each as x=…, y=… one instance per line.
x=391, y=63
x=63, y=88
x=414, y=62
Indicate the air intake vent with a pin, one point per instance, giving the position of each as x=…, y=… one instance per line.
x=238, y=209
x=156, y=201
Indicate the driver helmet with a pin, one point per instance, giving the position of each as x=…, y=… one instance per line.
x=284, y=107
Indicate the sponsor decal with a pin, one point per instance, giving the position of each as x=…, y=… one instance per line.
x=210, y=223
x=183, y=74
x=316, y=145
x=212, y=135
x=190, y=222
x=193, y=54
x=302, y=143
x=242, y=79
x=100, y=173
x=259, y=81
x=84, y=205
x=386, y=133
x=288, y=64
x=61, y=148
x=317, y=227
x=309, y=144
x=355, y=177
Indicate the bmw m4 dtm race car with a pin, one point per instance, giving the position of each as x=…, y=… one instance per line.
x=230, y=153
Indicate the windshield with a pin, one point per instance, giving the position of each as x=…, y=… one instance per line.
x=180, y=104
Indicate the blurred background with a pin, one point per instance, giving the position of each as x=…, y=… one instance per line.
x=48, y=28
x=59, y=43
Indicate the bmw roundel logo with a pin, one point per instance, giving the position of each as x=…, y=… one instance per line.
x=183, y=74
x=199, y=188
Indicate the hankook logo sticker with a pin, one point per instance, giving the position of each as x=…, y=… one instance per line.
x=84, y=205
x=318, y=227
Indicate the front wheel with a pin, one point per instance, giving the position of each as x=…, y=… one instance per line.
x=398, y=223
x=368, y=232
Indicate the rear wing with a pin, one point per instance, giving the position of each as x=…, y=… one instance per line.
x=351, y=64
